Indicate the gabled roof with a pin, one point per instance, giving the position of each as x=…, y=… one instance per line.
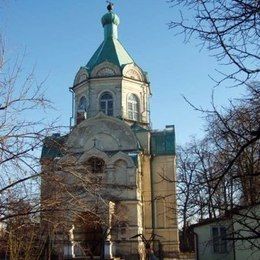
x=229, y=214
x=110, y=50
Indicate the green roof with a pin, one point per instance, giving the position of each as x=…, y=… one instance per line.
x=163, y=142
x=52, y=146
x=137, y=128
x=110, y=50
x=110, y=18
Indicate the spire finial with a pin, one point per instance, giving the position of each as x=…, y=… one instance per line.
x=110, y=22
x=110, y=6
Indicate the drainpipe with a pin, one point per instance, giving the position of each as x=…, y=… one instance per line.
x=73, y=105
x=152, y=195
x=149, y=105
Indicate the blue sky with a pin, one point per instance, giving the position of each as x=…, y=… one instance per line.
x=60, y=36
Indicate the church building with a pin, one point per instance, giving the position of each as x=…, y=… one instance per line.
x=128, y=200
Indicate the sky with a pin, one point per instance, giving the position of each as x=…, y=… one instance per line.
x=57, y=37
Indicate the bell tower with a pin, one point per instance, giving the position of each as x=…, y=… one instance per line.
x=111, y=82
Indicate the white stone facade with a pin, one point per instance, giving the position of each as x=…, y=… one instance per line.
x=113, y=145
x=119, y=85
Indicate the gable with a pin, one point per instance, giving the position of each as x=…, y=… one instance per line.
x=104, y=133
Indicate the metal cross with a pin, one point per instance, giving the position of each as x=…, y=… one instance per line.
x=110, y=6
x=94, y=140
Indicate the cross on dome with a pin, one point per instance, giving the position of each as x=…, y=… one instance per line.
x=110, y=6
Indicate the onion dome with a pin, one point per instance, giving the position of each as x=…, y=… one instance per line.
x=110, y=18
x=110, y=50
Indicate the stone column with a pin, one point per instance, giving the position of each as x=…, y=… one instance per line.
x=108, y=252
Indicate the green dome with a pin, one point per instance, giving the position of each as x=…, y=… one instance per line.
x=110, y=18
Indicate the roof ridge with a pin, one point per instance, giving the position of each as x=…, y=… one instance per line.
x=114, y=45
x=126, y=51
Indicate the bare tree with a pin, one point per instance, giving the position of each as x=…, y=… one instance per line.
x=22, y=131
x=225, y=174
x=186, y=196
x=22, y=235
x=235, y=135
x=228, y=29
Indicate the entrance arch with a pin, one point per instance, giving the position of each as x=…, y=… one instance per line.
x=88, y=236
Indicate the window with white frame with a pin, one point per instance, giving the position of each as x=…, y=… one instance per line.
x=106, y=103
x=219, y=238
x=133, y=107
x=82, y=103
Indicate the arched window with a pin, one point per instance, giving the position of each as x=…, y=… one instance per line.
x=82, y=103
x=106, y=104
x=96, y=165
x=133, y=107
x=120, y=170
